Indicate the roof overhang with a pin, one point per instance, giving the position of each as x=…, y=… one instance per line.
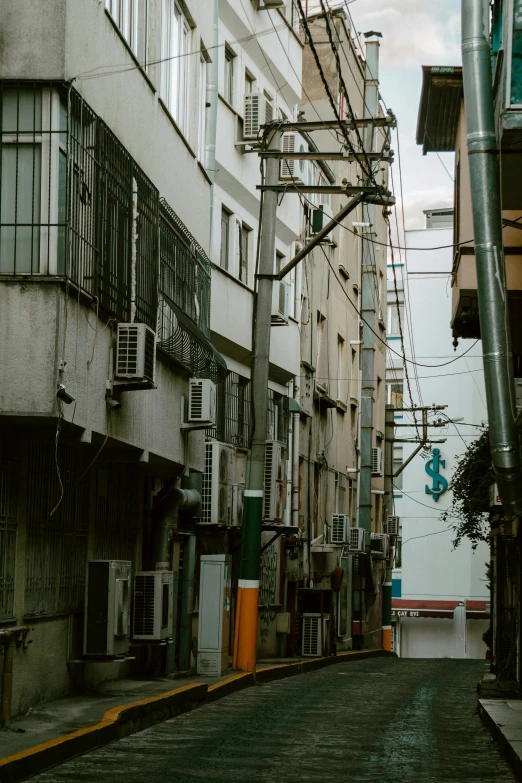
x=439, y=108
x=402, y=607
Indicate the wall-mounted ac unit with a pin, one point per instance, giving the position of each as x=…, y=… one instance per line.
x=238, y=499
x=280, y=303
x=379, y=546
x=357, y=540
x=152, y=605
x=135, y=355
x=377, y=461
x=316, y=639
x=339, y=530
x=274, y=497
x=107, y=608
x=202, y=401
x=294, y=170
x=216, y=494
x=258, y=111
x=391, y=526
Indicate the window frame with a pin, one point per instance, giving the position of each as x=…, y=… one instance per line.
x=229, y=75
x=243, y=243
x=226, y=234
x=202, y=116
x=175, y=63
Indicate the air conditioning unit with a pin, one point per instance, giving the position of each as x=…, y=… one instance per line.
x=135, y=354
x=216, y=494
x=107, y=608
x=379, y=546
x=316, y=638
x=280, y=303
x=294, y=170
x=357, y=540
x=238, y=499
x=274, y=496
x=391, y=526
x=339, y=530
x=258, y=111
x=152, y=605
x=202, y=401
x=377, y=461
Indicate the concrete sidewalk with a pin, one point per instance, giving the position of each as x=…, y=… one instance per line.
x=503, y=717
x=59, y=730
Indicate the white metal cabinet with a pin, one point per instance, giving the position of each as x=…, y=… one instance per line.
x=214, y=614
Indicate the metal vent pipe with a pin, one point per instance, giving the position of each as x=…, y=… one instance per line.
x=489, y=253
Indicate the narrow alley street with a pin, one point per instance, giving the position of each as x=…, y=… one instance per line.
x=386, y=720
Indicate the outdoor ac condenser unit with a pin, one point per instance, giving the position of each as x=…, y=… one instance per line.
x=377, y=461
x=294, y=170
x=357, y=540
x=339, y=530
x=202, y=401
x=258, y=111
x=274, y=497
x=216, y=495
x=135, y=354
x=315, y=639
x=391, y=526
x=107, y=608
x=152, y=605
x=379, y=546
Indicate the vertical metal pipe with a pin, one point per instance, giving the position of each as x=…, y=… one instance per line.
x=489, y=253
x=251, y=536
x=389, y=428
x=211, y=118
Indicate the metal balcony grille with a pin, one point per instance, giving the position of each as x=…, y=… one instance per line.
x=67, y=191
x=116, y=512
x=56, y=546
x=233, y=410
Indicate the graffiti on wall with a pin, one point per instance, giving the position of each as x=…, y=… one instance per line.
x=268, y=589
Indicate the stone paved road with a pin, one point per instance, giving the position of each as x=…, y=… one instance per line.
x=381, y=720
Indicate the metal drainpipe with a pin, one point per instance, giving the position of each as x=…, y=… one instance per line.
x=7, y=637
x=211, y=119
x=187, y=499
x=489, y=253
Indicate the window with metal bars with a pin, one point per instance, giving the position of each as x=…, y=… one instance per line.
x=277, y=420
x=116, y=512
x=66, y=199
x=56, y=543
x=8, y=526
x=232, y=411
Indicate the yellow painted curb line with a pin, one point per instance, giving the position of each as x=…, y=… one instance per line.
x=111, y=716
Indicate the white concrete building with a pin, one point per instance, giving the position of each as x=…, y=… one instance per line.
x=440, y=594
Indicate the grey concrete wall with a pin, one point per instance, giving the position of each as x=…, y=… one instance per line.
x=32, y=39
x=34, y=318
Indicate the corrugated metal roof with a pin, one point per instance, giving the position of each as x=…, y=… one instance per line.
x=439, y=108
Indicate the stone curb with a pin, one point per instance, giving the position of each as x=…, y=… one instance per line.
x=506, y=748
x=129, y=718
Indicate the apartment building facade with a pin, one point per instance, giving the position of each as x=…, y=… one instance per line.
x=104, y=222
x=440, y=593
x=331, y=349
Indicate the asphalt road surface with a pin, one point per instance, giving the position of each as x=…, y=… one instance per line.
x=381, y=720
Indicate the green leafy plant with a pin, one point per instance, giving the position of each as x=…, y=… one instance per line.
x=471, y=485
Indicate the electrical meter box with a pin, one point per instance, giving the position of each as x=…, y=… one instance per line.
x=214, y=614
x=107, y=608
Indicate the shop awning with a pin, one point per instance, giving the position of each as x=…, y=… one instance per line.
x=478, y=610
x=402, y=607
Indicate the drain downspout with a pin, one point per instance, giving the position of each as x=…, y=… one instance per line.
x=489, y=253
x=186, y=499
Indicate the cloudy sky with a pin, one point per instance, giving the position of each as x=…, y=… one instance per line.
x=415, y=33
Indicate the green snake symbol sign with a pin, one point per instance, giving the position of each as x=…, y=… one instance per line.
x=432, y=468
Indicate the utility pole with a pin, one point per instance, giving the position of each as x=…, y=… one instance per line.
x=369, y=327
x=389, y=431
x=248, y=585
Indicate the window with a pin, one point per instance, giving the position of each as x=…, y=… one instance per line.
x=232, y=411
x=228, y=85
x=397, y=462
x=243, y=240
x=67, y=188
x=225, y=238
x=395, y=392
x=382, y=300
x=249, y=83
x=321, y=352
x=270, y=108
x=131, y=18
x=202, y=118
x=175, y=38
x=340, y=493
x=277, y=420
x=395, y=318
